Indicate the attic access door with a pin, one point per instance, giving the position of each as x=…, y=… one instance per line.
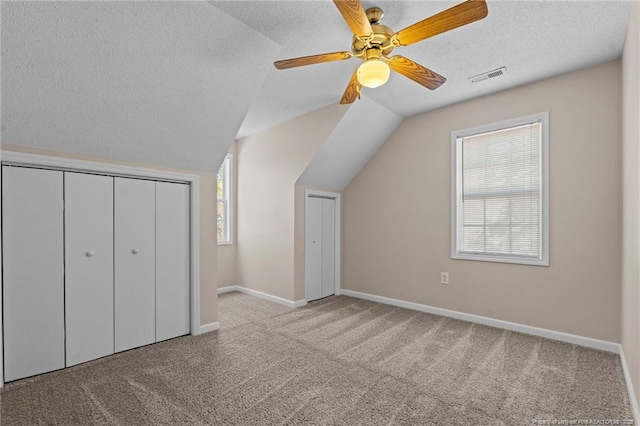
x=321, y=245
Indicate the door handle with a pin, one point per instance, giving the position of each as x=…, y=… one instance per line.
x=90, y=253
x=135, y=251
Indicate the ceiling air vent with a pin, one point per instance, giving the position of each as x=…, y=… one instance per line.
x=489, y=74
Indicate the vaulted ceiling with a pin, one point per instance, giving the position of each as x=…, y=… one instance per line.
x=533, y=39
x=166, y=83
x=173, y=83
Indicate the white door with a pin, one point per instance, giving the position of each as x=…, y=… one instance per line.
x=320, y=248
x=33, y=271
x=328, y=246
x=172, y=260
x=134, y=214
x=88, y=266
x=314, y=248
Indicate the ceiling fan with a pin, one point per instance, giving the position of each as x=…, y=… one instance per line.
x=372, y=43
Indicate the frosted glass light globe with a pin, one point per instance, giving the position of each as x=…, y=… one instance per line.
x=373, y=73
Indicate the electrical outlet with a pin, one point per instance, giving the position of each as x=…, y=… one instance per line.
x=444, y=278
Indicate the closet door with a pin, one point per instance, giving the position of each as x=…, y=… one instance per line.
x=172, y=260
x=314, y=249
x=328, y=246
x=33, y=271
x=88, y=266
x=134, y=263
x=320, y=246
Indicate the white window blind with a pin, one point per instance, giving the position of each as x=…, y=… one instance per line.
x=499, y=193
x=223, y=211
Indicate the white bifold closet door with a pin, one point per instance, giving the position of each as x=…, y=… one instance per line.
x=172, y=260
x=320, y=248
x=134, y=220
x=33, y=271
x=88, y=266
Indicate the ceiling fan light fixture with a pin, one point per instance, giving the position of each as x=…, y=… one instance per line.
x=373, y=73
x=372, y=43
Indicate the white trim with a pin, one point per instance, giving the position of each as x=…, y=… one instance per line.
x=261, y=295
x=499, y=259
x=229, y=289
x=632, y=395
x=206, y=328
x=338, y=213
x=68, y=164
x=456, y=164
x=195, y=255
x=1, y=305
x=491, y=322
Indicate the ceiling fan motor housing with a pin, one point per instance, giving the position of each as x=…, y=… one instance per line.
x=380, y=40
x=374, y=15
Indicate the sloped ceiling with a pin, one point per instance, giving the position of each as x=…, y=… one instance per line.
x=166, y=83
x=533, y=39
x=361, y=131
x=173, y=83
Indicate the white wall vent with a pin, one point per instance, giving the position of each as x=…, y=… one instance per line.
x=489, y=74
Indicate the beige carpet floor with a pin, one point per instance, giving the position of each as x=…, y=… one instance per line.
x=338, y=361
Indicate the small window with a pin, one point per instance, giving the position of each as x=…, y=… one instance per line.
x=500, y=192
x=224, y=202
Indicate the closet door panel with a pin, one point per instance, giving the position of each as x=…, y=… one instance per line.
x=88, y=267
x=172, y=260
x=33, y=271
x=328, y=246
x=134, y=263
x=314, y=249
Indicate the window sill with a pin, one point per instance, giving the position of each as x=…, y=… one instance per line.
x=498, y=259
x=225, y=243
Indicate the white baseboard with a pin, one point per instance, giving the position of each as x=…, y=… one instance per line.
x=299, y=303
x=213, y=326
x=521, y=328
x=632, y=395
x=261, y=295
x=228, y=289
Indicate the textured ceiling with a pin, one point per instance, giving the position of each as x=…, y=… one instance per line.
x=165, y=83
x=173, y=83
x=533, y=39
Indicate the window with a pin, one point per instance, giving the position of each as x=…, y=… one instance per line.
x=500, y=192
x=224, y=201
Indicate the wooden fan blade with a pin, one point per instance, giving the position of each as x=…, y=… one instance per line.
x=416, y=72
x=313, y=59
x=356, y=18
x=353, y=90
x=457, y=16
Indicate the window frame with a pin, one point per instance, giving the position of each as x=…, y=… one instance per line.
x=456, y=169
x=228, y=200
